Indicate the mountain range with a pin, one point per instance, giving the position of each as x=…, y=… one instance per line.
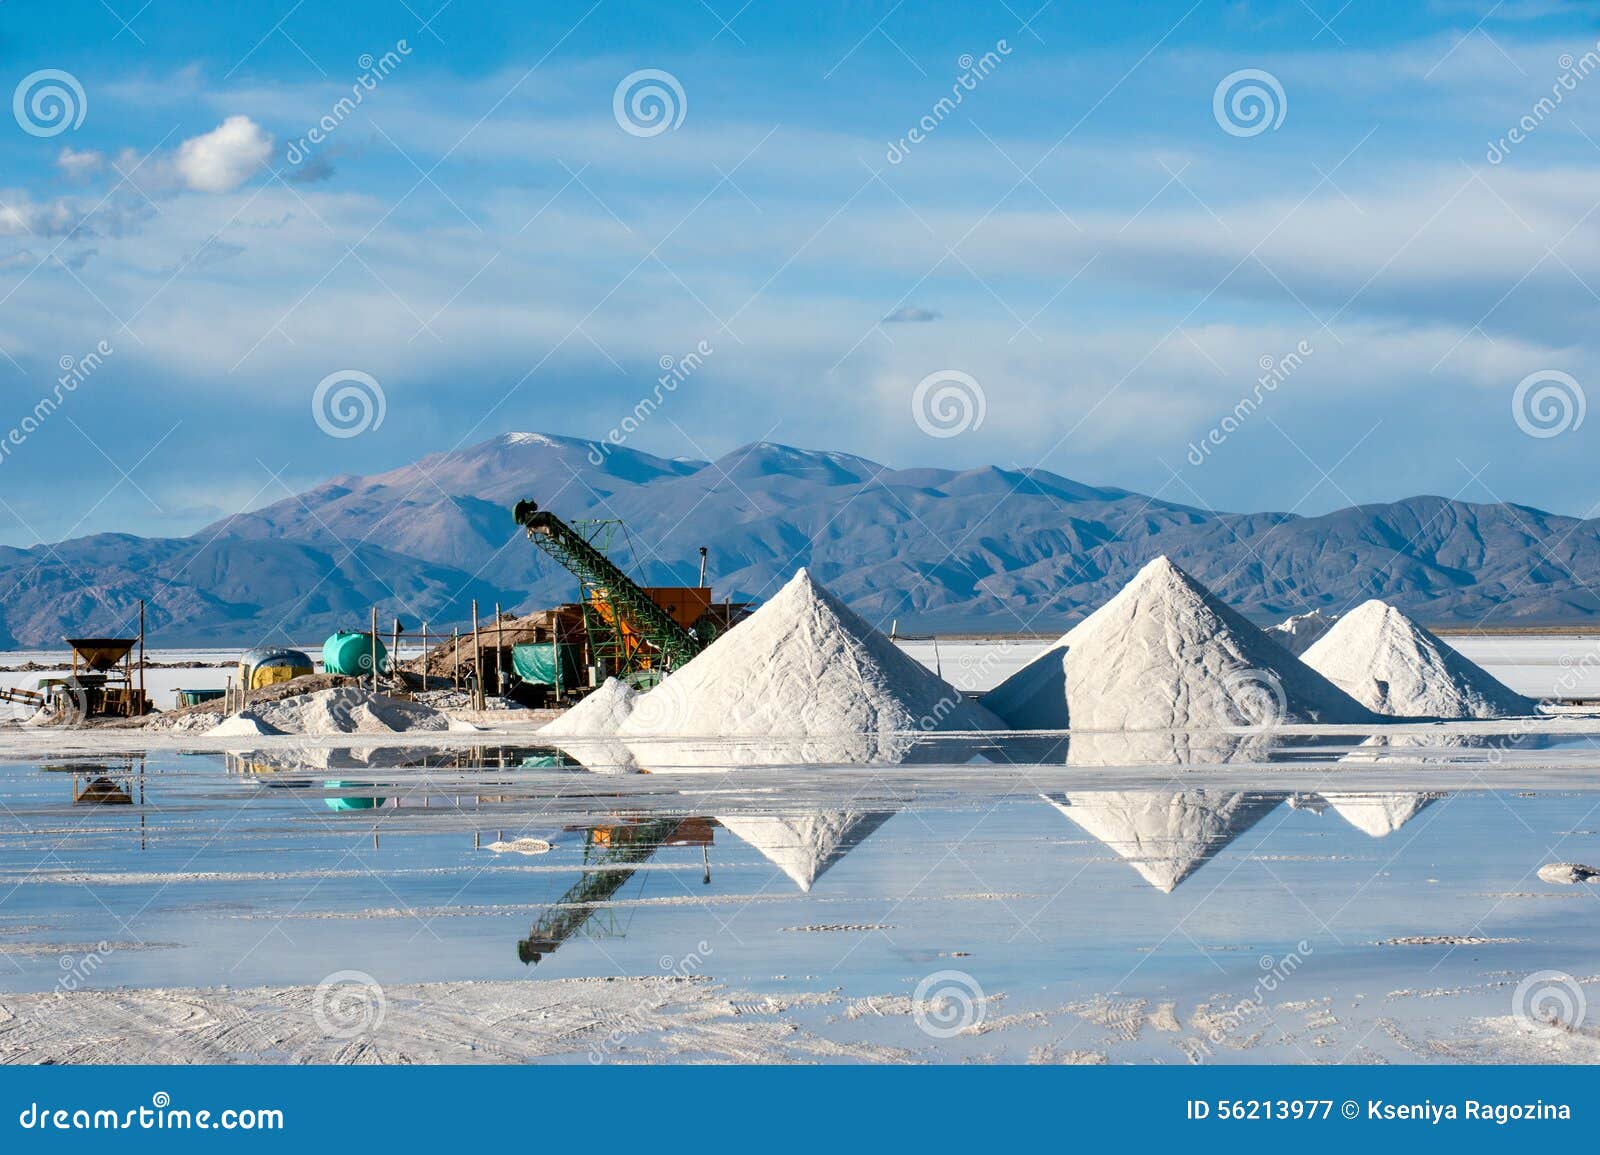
x=987, y=549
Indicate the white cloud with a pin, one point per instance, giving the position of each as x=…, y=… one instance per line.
x=78, y=165
x=224, y=158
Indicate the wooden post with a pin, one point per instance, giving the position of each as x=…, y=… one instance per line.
x=455, y=653
x=141, y=657
x=499, y=653
x=394, y=644
x=424, y=655
x=374, y=649
x=477, y=659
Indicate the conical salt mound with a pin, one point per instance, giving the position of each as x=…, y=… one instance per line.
x=600, y=713
x=806, y=846
x=1163, y=654
x=1378, y=815
x=803, y=664
x=1393, y=666
x=1299, y=633
x=1165, y=836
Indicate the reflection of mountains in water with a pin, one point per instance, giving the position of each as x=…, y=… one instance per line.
x=806, y=846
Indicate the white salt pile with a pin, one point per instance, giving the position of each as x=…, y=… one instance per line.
x=345, y=710
x=601, y=712
x=520, y=846
x=1165, y=653
x=1165, y=836
x=1299, y=633
x=1568, y=873
x=804, y=664
x=246, y=723
x=1378, y=815
x=1393, y=666
x=806, y=846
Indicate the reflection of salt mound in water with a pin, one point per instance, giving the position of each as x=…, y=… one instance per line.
x=806, y=846
x=601, y=711
x=803, y=665
x=1299, y=633
x=1168, y=748
x=1165, y=836
x=290, y=759
x=666, y=755
x=1378, y=815
x=1393, y=666
x=1439, y=746
x=1164, y=653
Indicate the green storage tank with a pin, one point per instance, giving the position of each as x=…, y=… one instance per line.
x=350, y=653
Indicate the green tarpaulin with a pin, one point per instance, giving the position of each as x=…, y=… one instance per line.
x=546, y=664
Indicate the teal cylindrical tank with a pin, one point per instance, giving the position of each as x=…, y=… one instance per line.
x=350, y=653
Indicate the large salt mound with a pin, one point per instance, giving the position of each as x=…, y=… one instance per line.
x=806, y=846
x=600, y=713
x=1299, y=633
x=1165, y=654
x=803, y=664
x=1165, y=835
x=347, y=710
x=1390, y=664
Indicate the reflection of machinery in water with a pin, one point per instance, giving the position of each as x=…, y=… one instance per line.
x=115, y=782
x=611, y=855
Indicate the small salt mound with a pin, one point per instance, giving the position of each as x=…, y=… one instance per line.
x=246, y=723
x=601, y=712
x=1378, y=815
x=1165, y=835
x=1299, y=633
x=806, y=846
x=1393, y=666
x=1165, y=654
x=1568, y=873
x=348, y=710
x=804, y=664
x=521, y=846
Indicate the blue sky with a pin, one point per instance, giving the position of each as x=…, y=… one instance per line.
x=1081, y=237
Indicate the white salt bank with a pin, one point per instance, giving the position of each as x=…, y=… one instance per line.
x=1299, y=633
x=804, y=664
x=1393, y=666
x=1165, y=653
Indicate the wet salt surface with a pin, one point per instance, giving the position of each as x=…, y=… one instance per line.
x=1086, y=911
